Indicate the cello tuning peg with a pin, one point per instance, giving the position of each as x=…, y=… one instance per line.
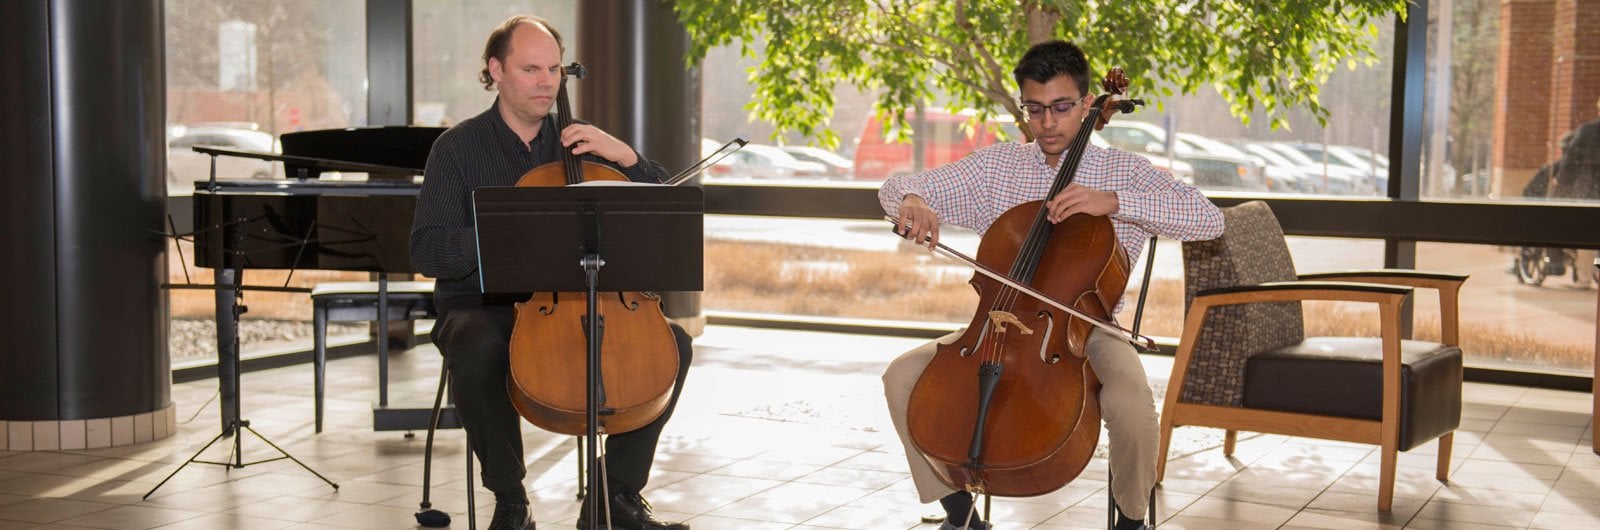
x=576, y=69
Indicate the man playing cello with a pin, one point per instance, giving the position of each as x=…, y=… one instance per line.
x=1140, y=200
x=522, y=59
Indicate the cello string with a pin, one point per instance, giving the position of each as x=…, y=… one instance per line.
x=1027, y=261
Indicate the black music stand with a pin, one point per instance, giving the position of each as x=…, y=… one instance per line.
x=556, y=239
x=230, y=288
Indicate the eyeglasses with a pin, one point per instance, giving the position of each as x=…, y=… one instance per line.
x=1036, y=111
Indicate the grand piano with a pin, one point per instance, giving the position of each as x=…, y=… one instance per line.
x=309, y=222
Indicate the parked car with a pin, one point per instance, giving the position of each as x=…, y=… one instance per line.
x=1281, y=174
x=185, y=166
x=1373, y=177
x=1325, y=178
x=1249, y=171
x=1179, y=169
x=1221, y=169
x=944, y=140
x=758, y=161
x=836, y=166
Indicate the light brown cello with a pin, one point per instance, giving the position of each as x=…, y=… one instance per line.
x=548, y=383
x=1010, y=407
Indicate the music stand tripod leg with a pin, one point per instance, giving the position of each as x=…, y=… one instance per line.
x=229, y=381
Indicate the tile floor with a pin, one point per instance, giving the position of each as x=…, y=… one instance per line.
x=781, y=429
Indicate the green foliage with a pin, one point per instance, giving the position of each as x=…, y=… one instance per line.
x=1259, y=54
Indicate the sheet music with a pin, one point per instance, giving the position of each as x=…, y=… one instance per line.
x=617, y=183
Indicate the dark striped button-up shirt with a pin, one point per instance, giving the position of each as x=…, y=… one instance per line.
x=480, y=151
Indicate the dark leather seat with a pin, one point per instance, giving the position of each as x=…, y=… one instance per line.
x=1343, y=376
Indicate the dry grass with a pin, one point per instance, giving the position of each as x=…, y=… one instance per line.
x=263, y=305
x=774, y=278
x=910, y=285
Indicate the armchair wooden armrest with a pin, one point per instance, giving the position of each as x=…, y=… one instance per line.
x=1448, y=285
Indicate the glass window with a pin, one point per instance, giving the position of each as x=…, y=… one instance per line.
x=1164, y=308
x=240, y=73
x=447, y=52
x=1523, y=307
x=1193, y=136
x=1509, y=114
x=859, y=269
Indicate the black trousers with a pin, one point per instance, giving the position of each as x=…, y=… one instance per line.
x=474, y=338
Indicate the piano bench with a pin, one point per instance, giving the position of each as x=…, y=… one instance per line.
x=358, y=302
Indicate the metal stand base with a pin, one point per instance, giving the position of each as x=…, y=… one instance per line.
x=233, y=429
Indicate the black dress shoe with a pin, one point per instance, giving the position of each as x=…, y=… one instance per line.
x=629, y=511
x=512, y=515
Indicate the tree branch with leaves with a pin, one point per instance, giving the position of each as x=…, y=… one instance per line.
x=1264, y=55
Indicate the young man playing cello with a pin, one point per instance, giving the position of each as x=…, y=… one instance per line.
x=522, y=59
x=1139, y=199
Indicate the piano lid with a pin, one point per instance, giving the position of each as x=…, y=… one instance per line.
x=402, y=147
x=384, y=153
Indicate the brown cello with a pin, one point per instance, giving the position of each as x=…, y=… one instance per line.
x=1010, y=407
x=548, y=383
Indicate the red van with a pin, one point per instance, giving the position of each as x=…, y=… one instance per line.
x=946, y=141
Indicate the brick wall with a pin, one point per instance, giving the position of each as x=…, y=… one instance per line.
x=1522, y=127
x=1575, y=85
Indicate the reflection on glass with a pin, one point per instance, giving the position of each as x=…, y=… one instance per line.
x=241, y=72
x=276, y=321
x=447, y=52
x=1521, y=307
x=859, y=269
x=1509, y=114
x=845, y=268
x=1195, y=136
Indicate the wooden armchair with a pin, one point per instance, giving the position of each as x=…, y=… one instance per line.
x=1244, y=362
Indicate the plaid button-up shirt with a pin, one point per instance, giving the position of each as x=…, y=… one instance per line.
x=974, y=191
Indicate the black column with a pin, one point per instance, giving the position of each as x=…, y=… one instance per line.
x=388, y=62
x=83, y=88
x=1407, y=135
x=639, y=90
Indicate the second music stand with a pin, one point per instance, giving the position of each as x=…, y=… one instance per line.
x=556, y=239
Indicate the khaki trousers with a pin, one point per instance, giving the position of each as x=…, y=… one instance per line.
x=1126, y=403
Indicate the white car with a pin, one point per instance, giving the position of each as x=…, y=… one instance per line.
x=837, y=166
x=1369, y=175
x=1179, y=169
x=185, y=166
x=1282, y=174
x=1221, y=170
x=758, y=161
x=1325, y=178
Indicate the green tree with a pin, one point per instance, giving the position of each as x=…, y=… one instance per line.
x=1267, y=54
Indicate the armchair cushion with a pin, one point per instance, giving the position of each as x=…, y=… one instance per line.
x=1343, y=376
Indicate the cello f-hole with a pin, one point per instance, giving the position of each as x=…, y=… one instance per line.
x=622, y=298
x=1049, y=329
x=982, y=333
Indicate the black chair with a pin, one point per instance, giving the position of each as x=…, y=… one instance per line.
x=427, y=515
x=360, y=302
